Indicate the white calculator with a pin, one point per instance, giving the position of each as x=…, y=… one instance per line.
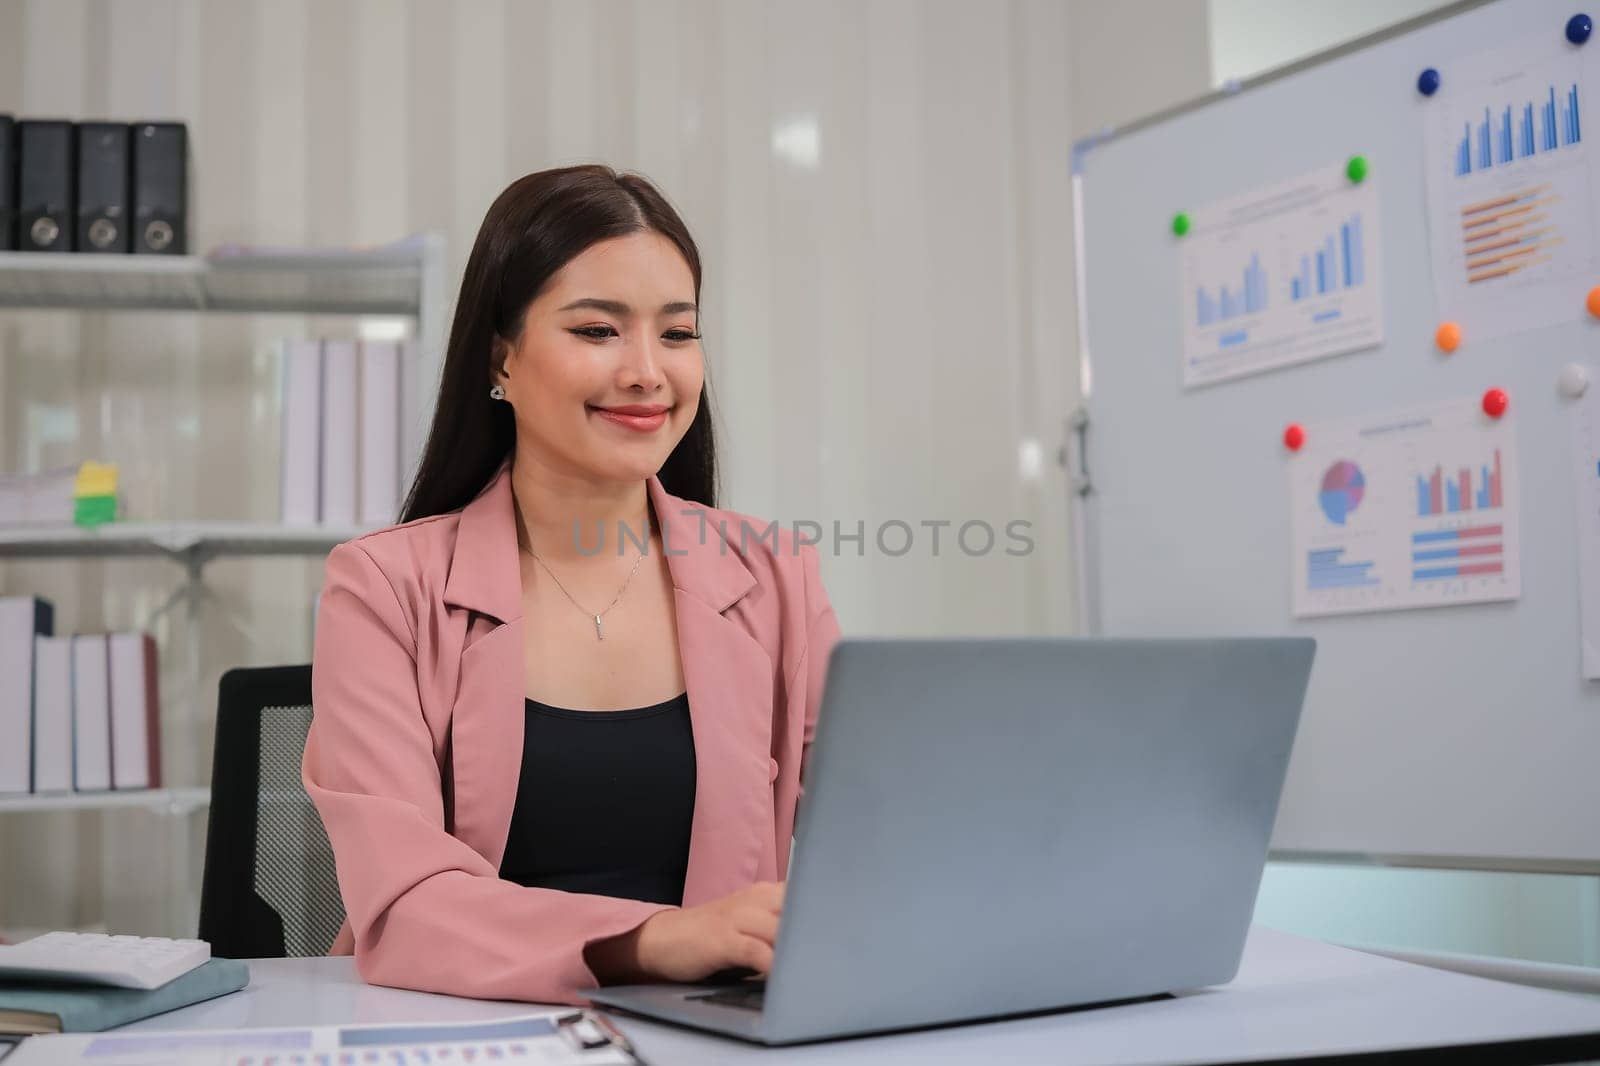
x=101, y=959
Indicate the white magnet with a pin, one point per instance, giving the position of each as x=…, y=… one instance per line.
x=1574, y=380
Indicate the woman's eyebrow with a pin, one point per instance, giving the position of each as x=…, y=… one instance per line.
x=617, y=307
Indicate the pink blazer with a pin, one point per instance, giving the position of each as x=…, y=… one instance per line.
x=416, y=740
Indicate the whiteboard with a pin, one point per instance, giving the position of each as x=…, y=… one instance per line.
x=1460, y=735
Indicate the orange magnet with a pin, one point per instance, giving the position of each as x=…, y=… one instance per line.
x=1592, y=302
x=1447, y=336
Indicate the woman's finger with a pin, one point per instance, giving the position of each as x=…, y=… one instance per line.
x=755, y=954
x=769, y=894
x=759, y=923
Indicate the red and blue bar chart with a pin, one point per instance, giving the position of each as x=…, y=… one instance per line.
x=1450, y=553
x=1438, y=496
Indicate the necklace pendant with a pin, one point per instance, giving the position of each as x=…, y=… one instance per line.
x=599, y=630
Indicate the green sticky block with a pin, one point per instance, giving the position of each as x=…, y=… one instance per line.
x=91, y=511
x=1356, y=169
x=1180, y=224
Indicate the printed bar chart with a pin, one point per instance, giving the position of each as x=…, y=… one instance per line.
x=1336, y=264
x=1493, y=143
x=1326, y=569
x=1508, y=233
x=1437, y=496
x=1250, y=297
x=1454, y=553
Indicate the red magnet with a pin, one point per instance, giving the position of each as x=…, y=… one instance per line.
x=1495, y=402
x=1294, y=437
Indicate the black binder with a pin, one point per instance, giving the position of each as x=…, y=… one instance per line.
x=8, y=183
x=160, y=188
x=105, y=170
x=45, y=185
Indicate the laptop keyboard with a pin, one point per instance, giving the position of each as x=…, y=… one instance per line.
x=747, y=995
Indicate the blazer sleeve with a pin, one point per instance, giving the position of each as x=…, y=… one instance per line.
x=426, y=910
x=822, y=632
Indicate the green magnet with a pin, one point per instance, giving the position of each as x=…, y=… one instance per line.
x=1356, y=169
x=1180, y=224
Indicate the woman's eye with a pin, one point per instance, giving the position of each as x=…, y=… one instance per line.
x=600, y=333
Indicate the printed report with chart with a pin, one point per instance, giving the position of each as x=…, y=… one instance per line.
x=1413, y=508
x=1281, y=275
x=1513, y=193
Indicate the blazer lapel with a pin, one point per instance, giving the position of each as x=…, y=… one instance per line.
x=727, y=673
x=486, y=724
x=728, y=676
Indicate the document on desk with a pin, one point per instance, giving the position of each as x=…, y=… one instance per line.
x=556, y=1038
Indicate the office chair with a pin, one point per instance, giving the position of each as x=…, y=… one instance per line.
x=269, y=889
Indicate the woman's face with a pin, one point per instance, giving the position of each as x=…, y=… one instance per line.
x=605, y=378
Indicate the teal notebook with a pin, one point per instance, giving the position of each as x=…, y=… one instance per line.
x=29, y=1007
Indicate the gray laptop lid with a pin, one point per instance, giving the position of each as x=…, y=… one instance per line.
x=997, y=826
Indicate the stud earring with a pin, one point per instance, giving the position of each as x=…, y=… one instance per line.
x=498, y=392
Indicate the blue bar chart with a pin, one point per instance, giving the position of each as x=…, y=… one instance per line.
x=1326, y=568
x=1335, y=264
x=1496, y=141
x=1246, y=297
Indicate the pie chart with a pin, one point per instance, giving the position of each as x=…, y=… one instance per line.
x=1342, y=488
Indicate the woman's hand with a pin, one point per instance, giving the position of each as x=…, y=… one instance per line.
x=692, y=943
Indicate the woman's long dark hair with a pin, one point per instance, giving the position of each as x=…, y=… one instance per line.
x=533, y=229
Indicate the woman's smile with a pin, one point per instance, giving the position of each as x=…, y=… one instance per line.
x=639, y=417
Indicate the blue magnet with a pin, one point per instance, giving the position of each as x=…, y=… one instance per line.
x=1428, y=82
x=1579, y=27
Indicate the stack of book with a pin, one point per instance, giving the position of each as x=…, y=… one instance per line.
x=343, y=410
x=77, y=713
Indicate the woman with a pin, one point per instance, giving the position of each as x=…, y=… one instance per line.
x=561, y=712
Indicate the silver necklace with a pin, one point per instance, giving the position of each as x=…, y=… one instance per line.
x=599, y=627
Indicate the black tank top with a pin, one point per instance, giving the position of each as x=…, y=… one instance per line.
x=604, y=802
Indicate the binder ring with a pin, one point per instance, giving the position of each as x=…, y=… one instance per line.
x=102, y=233
x=44, y=231
x=158, y=235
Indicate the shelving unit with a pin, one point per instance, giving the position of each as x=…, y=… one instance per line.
x=187, y=542
x=382, y=281
x=159, y=800
x=402, y=279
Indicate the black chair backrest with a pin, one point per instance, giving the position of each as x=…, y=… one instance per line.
x=269, y=890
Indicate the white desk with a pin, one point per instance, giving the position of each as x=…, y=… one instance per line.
x=1292, y=998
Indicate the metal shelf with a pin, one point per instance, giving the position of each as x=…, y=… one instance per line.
x=192, y=541
x=381, y=281
x=159, y=800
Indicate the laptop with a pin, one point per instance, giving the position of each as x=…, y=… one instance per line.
x=996, y=827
